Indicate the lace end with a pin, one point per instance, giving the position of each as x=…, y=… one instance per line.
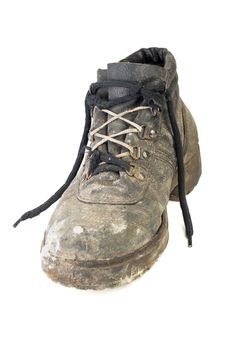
x=17, y=223
x=190, y=242
x=25, y=216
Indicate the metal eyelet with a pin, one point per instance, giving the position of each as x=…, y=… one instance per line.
x=146, y=134
x=145, y=154
x=141, y=133
x=156, y=110
x=136, y=154
x=152, y=134
x=138, y=172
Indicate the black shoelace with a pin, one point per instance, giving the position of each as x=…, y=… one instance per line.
x=139, y=93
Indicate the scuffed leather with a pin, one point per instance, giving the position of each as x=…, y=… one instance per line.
x=111, y=215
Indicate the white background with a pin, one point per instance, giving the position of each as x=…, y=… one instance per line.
x=50, y=51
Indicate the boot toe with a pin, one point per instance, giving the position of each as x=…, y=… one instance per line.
x=82, y=237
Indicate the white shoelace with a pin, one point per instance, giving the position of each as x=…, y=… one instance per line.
x=135, y=128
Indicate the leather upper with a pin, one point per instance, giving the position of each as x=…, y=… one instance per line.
x=111, y=214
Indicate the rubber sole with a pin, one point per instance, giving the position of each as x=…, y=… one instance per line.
x=101, y=274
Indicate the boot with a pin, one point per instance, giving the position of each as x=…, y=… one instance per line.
x=140, y=149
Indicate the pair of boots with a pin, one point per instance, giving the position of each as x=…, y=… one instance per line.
x=140, y=149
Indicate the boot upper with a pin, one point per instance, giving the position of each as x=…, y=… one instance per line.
x=108, y=212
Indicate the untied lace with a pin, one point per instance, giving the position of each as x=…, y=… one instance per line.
x=139, y=93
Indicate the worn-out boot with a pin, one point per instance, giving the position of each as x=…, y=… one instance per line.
x=140, y=146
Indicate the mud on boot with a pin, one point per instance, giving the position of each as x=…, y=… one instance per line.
x=139, y=149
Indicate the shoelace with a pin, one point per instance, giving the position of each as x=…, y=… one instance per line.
x=139, y=93
x=104, y=138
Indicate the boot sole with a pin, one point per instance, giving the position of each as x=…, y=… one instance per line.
x=101, y=274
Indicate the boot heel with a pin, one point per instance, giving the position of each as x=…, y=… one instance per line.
x=192, y=175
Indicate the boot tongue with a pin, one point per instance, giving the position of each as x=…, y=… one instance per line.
x=135, y=72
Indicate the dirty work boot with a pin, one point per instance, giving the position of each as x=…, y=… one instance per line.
x=141, y=149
